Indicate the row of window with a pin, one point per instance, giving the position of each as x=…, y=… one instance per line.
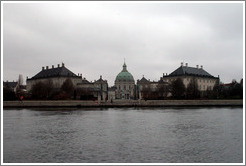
x=124, y=87
x=204, y=87
x=189, y=79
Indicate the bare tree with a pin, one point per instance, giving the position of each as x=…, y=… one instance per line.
x=42, y=90
x=192, y=91
x=163, y=90
x=178, y=89
x=38, y=90
x=68, y=87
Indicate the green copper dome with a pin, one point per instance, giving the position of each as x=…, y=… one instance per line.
x=124, y=75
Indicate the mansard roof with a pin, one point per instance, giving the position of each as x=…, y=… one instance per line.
x=84, y=81
x=10, y=84
x=190, y=71
x=100, y=81
x=143, y=81
x=55, y=72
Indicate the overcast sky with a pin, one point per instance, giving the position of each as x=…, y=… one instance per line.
x=93, y=38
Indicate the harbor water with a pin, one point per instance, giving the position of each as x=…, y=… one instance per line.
x=123, y=135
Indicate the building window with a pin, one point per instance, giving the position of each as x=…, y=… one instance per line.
x=119, y=87
x=124, y=87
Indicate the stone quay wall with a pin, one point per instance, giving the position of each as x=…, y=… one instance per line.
x=122, y=103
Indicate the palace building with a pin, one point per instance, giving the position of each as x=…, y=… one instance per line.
x=204, y=80
x=57, y=75
x=124, y=85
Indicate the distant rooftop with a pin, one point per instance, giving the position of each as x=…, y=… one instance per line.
x=143, y=81
x=60, y=71
x=190, y=71
x=10, y=84
x=100, y=81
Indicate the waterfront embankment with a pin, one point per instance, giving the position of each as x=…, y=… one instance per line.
x=122, y=103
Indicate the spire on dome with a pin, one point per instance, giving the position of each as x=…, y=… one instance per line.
x=124, y=66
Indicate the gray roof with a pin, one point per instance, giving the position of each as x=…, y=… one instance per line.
x=55, y=72
x=113, y=88
x=100, y=81
x=84, y=81
x=10, y=84
x=143, y=81
x=190, y=71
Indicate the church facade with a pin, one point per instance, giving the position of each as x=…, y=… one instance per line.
x=125, y=85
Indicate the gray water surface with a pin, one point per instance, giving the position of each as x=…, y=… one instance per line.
x=123, y=135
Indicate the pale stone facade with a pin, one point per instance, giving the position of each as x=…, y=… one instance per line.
x=57, y=82
x=83, y=89
x=204, y=80
x=102, y=85
x=203, y=83
x=86, y=90
x=111, y=93
x=56, y=75
x=141, y=86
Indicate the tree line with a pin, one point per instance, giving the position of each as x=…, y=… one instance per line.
x=177, y=90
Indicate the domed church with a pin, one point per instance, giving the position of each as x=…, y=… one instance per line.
x=125, y=85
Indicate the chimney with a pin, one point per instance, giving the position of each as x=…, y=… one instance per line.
x=166, y=74
x=197, y=66
x=47, y=67
x=163, y=74
x=58, y=65
x=63, y=64
x=52, y=66
x=42, y=68
x=78, y=74
x=182, y=63
x=201, y=67
x=100, y=76
x=186, y=64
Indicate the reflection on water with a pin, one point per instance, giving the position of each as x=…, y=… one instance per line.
x=123, y=135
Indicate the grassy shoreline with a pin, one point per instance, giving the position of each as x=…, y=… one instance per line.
x=123, y=103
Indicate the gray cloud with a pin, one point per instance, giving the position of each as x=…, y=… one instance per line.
x=93, y=38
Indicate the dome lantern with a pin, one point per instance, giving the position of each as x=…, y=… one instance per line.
x=124, y=75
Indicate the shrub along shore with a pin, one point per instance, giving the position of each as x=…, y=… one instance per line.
x=122, y=103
